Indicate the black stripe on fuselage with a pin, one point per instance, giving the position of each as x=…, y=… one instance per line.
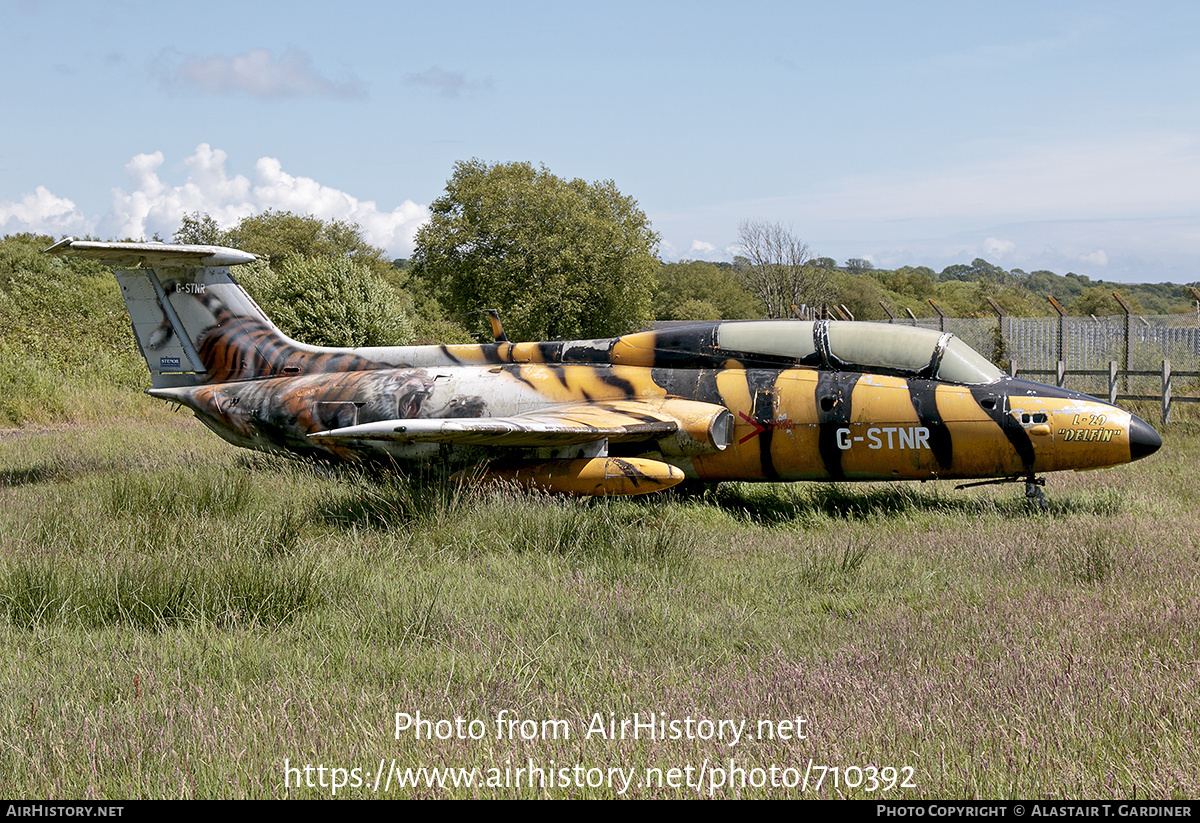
x=762, y=387
x=834, y=390
x=923, y=394
x=607, y=377
x=1010, y=388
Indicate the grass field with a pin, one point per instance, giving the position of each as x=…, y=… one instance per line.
x=182, y=619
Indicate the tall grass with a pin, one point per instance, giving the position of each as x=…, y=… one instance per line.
x=178, y=619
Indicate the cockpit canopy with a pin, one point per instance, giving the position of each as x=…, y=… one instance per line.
x=869, y=347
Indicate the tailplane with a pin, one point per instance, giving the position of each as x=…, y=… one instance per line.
x=187, y=310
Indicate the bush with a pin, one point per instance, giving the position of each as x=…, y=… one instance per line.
x=330, y=301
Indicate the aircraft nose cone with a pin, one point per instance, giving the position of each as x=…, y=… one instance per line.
x=1143, y=440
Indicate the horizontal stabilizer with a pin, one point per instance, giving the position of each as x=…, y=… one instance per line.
x=155, y=255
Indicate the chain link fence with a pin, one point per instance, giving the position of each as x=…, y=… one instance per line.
x=1135, y=343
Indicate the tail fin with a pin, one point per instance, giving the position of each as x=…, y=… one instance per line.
x=186, y=308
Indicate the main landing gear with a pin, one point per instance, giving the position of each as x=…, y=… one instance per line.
x=1033, y=491
x=1033, y=488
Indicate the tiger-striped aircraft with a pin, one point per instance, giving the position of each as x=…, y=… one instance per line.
x=775, y=400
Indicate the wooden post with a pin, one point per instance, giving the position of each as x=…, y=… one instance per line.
x=1166, y=392
x=913, y=316
x=887, y=311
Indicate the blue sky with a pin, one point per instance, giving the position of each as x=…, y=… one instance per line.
x=1055, y=135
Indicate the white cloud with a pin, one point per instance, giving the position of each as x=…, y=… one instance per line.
x=393, y=230
x=152, y=206
x=42, y=213
x=258, y=73
x=994, y=248
x=1099, y=257
x=701, y=247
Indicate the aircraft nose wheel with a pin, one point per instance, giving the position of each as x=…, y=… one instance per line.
x=1033, y=491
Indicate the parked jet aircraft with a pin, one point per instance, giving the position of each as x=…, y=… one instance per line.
x=734, y=400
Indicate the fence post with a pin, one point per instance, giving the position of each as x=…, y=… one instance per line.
x=1112, y=382
x=1012, y=368
x=1061, y=312
x=1166, y=392
x=887, y=311
x=1125, y=307
x=1061, y=374
x=941, y=316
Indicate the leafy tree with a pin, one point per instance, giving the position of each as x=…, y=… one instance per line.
x=698, y=310
x=774, y=267
x=331, y=301
x=1098, y=301
x=558, y=258
x=915, y=282
x=280, y=235
x=717, y=288
x=201, y=229
x=861, y=295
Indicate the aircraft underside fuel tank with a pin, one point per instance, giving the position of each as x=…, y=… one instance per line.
x=595, y=476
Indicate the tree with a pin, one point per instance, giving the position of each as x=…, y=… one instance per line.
x=279, y=235
x=774, y=268
x=861, y=295
x=914, y=282
x=329, y=301
x=201, y=229
x=558, y=258
x=1099, y=301
x=719, y=291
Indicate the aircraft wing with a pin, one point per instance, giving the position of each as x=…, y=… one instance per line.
x=698, y=427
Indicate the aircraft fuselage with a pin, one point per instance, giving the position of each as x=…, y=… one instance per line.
x=788, y=424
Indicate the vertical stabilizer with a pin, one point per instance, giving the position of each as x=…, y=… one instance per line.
x=182, y=301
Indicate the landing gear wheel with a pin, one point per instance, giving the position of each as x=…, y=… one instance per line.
x=1033, y=491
